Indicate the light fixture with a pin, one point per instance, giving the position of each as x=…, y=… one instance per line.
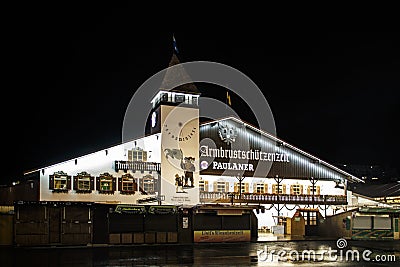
x=279, y=143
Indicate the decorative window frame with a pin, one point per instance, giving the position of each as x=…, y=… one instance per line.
x=56, y=175
x=99, y=179
x=148, y=178
x=77, y=179
x=121, y=184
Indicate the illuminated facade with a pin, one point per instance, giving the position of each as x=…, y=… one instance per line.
x=172, y=165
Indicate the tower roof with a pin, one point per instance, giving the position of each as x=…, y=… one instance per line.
x=178, y=72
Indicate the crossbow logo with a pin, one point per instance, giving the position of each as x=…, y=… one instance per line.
x=227, y=134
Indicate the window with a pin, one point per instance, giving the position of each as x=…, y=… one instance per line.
x=148, y=183
x=105, y=184
x=280, y=191
x=59, y=181
x=305, y=216
x=137, y=154
x=164, y=97
x=244, y=187
x=313, y=217
x=382, y=222
x=310, y=217
x=296, y=189
x=259, y=188
x=203, y=185
x=362, y=222
x=127, y=184
x=221, y=186
x=179, y=98
x=314, y=188
x=84, y=183
x=194, y=100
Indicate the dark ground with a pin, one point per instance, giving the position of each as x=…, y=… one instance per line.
x=233, y=254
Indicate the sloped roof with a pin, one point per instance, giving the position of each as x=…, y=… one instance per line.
x=378, y=190
x=379, y=210
x=319, y=164
x=178, y=73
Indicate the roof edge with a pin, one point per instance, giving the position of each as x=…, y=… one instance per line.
x=350, y=177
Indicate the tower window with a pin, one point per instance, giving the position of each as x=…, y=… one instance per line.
x=179, y=98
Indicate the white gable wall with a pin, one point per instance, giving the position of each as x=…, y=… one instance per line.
x=96, y=164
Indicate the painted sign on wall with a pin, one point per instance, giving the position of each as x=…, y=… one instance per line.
x=222, y=236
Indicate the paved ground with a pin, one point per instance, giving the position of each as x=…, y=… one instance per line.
x=261, y=253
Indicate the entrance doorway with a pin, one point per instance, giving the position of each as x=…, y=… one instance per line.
x=310, y=222
x=54, y=225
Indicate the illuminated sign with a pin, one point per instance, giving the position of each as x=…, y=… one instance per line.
x=251, y=154
x=128, y=209
x=162, y=209
x=232, y=166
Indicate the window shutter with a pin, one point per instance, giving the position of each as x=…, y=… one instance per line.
x=265, y=188
x=318, y=190
x=206, y=186
x=226, y=186
x=301, y=190
x=114, y=184
x=283, y=189
x=274, y=191
x=246, y=187
x=51, y=182
x=309, y=190
x=91, y=183
x=98, y=183
x=119, y=184
x=291, y=189
x=68, y=182
x=75, y=183
x=255, y=188
x=144, y=155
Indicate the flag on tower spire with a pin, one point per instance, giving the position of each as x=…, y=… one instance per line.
x=174, y=44
x=228, y=98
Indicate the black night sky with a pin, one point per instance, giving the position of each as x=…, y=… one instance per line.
x=333, y=94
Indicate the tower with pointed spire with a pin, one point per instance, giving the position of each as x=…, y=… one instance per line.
x=175, y=115
x=186, y=95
